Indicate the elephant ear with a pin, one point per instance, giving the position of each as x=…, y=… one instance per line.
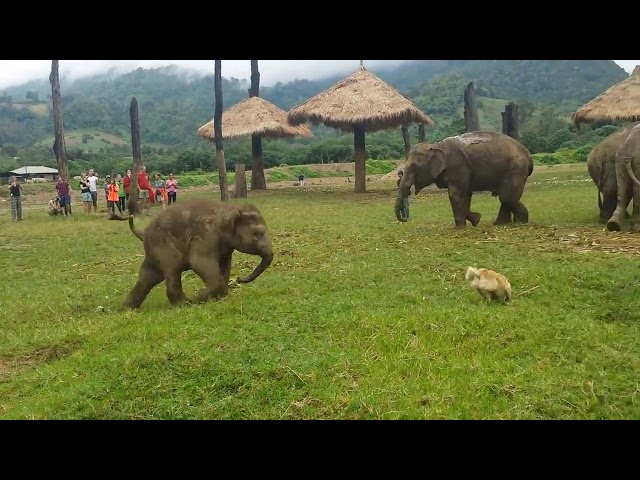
x=437, y=161
x=246, y=215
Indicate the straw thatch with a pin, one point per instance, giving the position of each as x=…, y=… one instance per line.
x=619, y=102
x=255, y=116
x=363, y=99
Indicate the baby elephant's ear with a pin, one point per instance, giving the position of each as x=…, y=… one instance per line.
x=246, y=215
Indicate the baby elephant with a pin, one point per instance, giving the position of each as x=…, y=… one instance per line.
x=198, y=235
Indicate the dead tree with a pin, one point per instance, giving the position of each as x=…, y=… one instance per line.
x=407, y=142
x=471, y=109
x=217, y=131
x=134, y=202
x=59, y=146
x=510, y=121
x=241, y=181
x=258, y=181
x=421, y=136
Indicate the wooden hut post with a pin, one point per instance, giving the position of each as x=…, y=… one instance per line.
x=360, y=158
x=258, y=181
x=421, y=136
x=407, y=142
x=241, y=181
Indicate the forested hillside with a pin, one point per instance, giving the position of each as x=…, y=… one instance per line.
x=175, y=102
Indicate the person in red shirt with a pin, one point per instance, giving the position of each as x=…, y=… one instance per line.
x=126, y=183
x=144, y=185
x=64, y=194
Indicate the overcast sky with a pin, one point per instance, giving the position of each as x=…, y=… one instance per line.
x=15, y=72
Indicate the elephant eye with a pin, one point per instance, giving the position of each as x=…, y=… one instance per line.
x=257, y=235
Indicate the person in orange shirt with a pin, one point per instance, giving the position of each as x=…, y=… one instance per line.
x=113, y=198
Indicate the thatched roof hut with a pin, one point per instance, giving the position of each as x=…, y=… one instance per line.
x=255, y=117
x=360, y=103
x=361, y=99
x=619, y=102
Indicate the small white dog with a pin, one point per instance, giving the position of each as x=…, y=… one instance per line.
x=489, y=284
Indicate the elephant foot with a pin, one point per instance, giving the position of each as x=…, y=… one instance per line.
x=613, y=225
x=474, y=218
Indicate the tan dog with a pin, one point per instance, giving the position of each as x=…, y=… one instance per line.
x=491, y=285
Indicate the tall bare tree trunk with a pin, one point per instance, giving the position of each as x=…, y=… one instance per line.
x=421, y=136
x=471, y=109
x=407, y=142
x=360, y=158
x=217, y=131
x=258, y=181
x=510, y=121
x=59, y=146
x=134, y=199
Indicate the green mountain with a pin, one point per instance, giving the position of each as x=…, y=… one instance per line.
x=175, y=102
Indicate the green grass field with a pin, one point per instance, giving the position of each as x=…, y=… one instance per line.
x=99, y=140
x=359, y=317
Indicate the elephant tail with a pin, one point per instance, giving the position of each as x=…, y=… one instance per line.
x=137, y=232
x=627, y=164
x=530, y=167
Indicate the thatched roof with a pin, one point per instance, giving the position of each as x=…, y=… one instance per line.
x=361, y=98
x=255, y=116
x=619, y=102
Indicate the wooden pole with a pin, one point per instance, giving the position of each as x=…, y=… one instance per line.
x=59, y=146
x=407, y=142
x=510, y=121
x=217, y=131
x=471, y=109
x=421, y=135
x=360, y=157
x=134, y=205
x=241, y=181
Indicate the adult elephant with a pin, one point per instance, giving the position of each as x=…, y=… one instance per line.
x=467, y=163
x=627, y=166
x=601, y=164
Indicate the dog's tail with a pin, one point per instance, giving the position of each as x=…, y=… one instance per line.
x=471, y=274
x=136, y=231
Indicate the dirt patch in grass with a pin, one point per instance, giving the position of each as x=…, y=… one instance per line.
x=12, y=364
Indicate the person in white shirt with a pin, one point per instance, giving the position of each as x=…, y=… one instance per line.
x=93, y=188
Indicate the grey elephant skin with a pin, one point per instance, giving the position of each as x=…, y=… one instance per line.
x=627, y=166
x=471, y=162
x=198, y=235
x=601, y=164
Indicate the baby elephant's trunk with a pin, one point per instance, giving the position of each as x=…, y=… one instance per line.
x=264, y=264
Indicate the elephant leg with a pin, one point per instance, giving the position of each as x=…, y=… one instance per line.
x=208, y=269
x=225, y=270
x=510, y=194
x=473, y=217
x=458, y=201
x=625, y=193
x=148, y=277
x=175, y=292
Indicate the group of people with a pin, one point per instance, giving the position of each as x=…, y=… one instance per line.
x=116, y=191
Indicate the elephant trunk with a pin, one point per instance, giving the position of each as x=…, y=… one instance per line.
x=398, y=208
x=264, y=264
x=627, y=164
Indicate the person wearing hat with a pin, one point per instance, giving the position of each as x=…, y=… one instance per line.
x=107, y=182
